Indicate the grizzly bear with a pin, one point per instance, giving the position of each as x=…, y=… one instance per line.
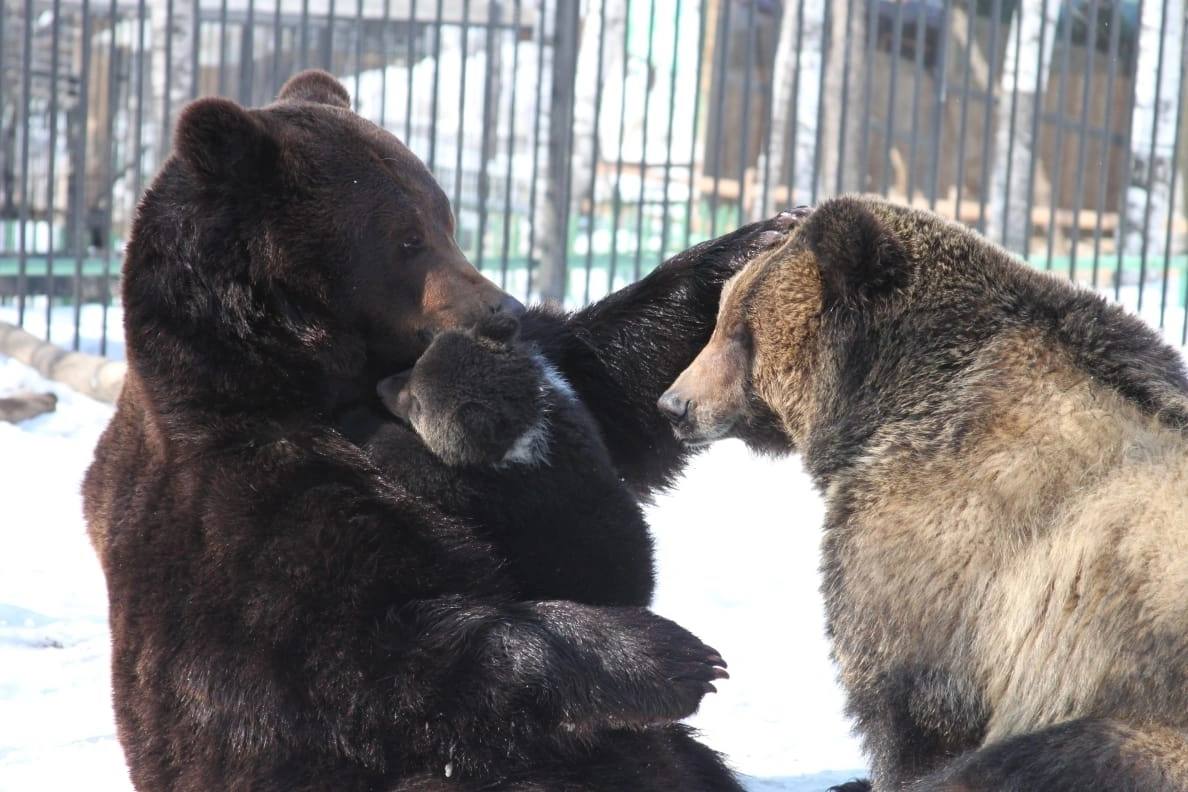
x=286, y=616
x=1004, y=465
x=515, y=454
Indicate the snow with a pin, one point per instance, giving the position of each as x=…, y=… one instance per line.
x=737, y=558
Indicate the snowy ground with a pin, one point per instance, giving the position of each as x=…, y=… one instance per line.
x=737, y=545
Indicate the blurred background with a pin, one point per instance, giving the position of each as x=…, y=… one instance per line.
x=583, y=142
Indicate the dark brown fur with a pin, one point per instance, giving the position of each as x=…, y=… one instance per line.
x=284, y=615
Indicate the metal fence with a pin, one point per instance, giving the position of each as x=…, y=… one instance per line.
x=583, y=142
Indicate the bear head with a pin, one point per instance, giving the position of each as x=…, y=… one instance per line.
x=287, y=257
x=756, y=377
x=474, y=397
x=871, y=312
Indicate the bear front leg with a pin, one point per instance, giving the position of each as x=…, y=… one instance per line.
x=912, y=719
x=622, y=352
x=493, y=684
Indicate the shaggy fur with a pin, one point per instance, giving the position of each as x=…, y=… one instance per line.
x=1004, y=463
x=499, y=439
x=284, y=615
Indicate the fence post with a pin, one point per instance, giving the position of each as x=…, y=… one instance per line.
x=554, y=234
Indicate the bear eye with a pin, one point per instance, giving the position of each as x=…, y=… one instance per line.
x=413, y=243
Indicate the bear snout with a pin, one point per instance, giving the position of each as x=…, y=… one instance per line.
x=674, y=406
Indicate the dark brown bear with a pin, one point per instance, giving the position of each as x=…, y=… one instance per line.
x=286, y=617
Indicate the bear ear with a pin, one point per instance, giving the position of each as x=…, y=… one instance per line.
x=859, y=257
x=317, y=86
x=222, y=141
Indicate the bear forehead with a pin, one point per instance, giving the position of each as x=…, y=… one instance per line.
x=341, y=145
x=783, y=283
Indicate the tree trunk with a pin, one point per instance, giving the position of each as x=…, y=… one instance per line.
x=554, y=232
x=1033, y=25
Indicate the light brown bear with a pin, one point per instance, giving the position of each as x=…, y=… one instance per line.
x=1005, y=467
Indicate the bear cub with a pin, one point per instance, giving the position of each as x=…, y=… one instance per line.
x=496, y=420
x=495, y=436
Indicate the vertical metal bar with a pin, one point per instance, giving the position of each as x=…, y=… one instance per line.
x=493, y=10
x=917, y=84
x=359, y=54
x=247, y=56
x=109, y=174
x=195, y=46
x=437, y=77
x=889, y=128
x=769, y=101
x=1127, y=170
x=55, y=44
x=617, y=196
x=412, y=59
x=988, y=114
x=23, y=214
x=1175, y=166
x=792, y=153
x=1086, y=93
x=1151, y=158
x=1107, y=137
x=970, y=13
x=304, y=33
x=1010, y=155
x=223, y=48
x=672, y=85
x=595, y=154
x=462, y=106
x=1040, y=76
x=511, y=145
x=328, y=50
x=3, y=39
x=80, y=165
x=843, y=123
x=872, y=29
x=744, y=153
x=1058, y=164
x=696, y=118
x=567, y=193
x=385, y=62
x=723, y=76
x=166, y=94
x=826, y=36
x=277, y=44
x=138, y=131
x=942, y=96
x=540, y=47
x=643, y=156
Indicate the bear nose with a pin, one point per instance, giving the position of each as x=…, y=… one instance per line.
x=674, y=407
x=510, y=306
